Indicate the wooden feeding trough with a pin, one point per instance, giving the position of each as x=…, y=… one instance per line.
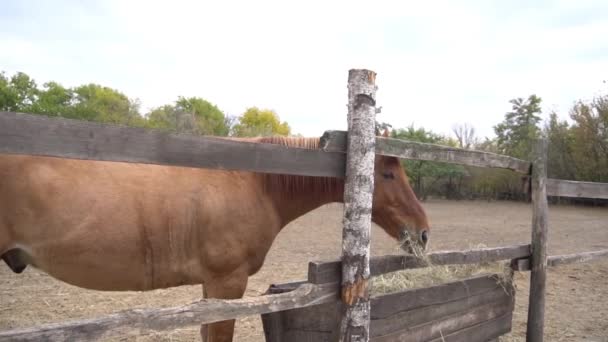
x=475, y=309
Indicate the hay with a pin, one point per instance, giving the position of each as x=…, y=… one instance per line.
x=435, y=274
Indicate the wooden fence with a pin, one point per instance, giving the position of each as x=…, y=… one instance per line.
x=22, y=133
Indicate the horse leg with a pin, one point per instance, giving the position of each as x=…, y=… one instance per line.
x=228, y=287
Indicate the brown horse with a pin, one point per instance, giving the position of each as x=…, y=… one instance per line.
x=123, y=226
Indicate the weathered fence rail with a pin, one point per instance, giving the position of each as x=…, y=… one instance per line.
x=329, y=271
x=335, y=141
x=58, y=137
x=568, y=188
x=145, y=321
x=566, y=259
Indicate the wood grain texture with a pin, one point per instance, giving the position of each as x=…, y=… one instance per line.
x=437, y=329
x=335, y=141
x=523, y=265
x=329, y=271
x=358, y=194
x=421, y=316
x=141, y=321
x=472, y=305
x=56, y=137
x=413, y=299
x=485, y=331
x=567, y=188
x=538, y=259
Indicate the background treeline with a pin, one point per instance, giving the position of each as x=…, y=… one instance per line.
x=93, y=102
x=578, y=150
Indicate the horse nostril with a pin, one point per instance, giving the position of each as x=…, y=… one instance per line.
x=424, y=236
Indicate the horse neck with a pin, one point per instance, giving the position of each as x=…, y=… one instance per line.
x=294, y=196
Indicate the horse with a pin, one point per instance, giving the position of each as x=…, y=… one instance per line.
x=114, y=226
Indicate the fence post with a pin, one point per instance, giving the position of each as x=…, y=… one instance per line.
x=538, y=261
x=358, y=193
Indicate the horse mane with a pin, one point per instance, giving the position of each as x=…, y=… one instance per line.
x=292, y=185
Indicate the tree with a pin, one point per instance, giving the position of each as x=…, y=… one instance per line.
x=8, y=98
x=260, y=122
x=433, y=172
x=17, y=94
x=163, y=117
x=192, y=115
x=25, y=89
x=210, y=120
x=516, y=134
x=560, y=162
x=53, y=100
x=590, y=139
x=94, y=102
x=465, y=134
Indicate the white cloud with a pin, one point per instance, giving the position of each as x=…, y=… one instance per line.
x=438, y=63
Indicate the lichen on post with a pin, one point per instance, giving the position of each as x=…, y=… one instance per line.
x=358, y=192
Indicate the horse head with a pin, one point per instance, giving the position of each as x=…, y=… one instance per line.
x=396, y=209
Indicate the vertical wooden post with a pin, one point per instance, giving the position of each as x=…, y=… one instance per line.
x=538, y=262
x=358, y=193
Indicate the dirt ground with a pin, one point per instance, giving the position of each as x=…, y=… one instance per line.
x=577, y=298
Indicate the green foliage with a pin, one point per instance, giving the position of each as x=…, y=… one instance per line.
x=25, y=90
x=260, y=122
x=53, y=100
x=102, y=104
x=560, y=161
x=18, y=93
x=98, y=103
x=427, y=176
x=193, y=115
x=209, y=119
x=589, y=139
x=515, y=135
x=8, y=98
x=163, y=117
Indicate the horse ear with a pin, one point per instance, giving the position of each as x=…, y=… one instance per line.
x=385, y=134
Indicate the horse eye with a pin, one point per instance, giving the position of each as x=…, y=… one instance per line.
x=388, y=175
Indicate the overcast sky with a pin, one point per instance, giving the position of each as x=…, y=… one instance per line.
x=438, y=62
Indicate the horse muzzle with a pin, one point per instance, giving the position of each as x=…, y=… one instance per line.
x=414, y=242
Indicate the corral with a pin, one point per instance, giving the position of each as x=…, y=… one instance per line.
x=576, y=306
x=83, y=140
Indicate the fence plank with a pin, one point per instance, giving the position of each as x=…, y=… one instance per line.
x=421, y=312
x=40, y=135
x=523, y=265
x=538, y=259
x=436, y=295
x=423, y=315
x=142, y=321
x=358, y=193
x=335, y=141
x=329, y=271
x=451, y=324
x=568, y=188
x=485, y=331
